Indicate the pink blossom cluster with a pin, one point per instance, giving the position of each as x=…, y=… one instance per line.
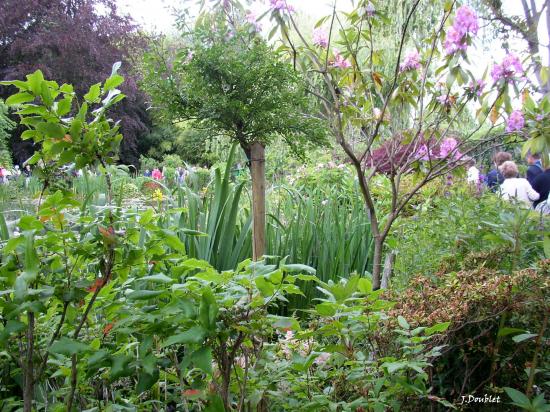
x=253, y=20
x=320, y=37
x=465, y=23
x=340, y=61
x=509, y=68
x=444, y=99
x=411, y=62
x=281, y=5
x=423, y=153
x=447, y=149
x=515, y=121
x=477, y=86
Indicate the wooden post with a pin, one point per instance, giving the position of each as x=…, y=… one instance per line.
x=257, y=172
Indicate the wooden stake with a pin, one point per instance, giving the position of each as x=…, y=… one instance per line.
x=257, y=172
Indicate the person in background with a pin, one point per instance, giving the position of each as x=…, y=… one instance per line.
x=28, y=173
x=494, y=177
x=541, y=184
x=473, y=175
x=3, y=175
x=157, y=174
x=16, y=171
x=535, y=166
x=515, y=187
x=181, y=175
x=147, y=173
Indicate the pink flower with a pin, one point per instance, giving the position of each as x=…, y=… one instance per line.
x=281, y=5
x=509, y=68
x=454, y=41
x=252, y=19
x=449, y=146
x=411, y=62
x=466, y=21
x=540, y=117
x=443, y=99
x=515, y=121
x=477, y=86
x=340, y=61
x=320, y=37
x=423, y=153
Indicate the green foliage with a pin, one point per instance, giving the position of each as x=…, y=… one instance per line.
x=538, y=404
x=43, y=107
x=5, y=126
x=447, y=233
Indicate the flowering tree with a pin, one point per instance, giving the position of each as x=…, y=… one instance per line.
x=229, y=82
x=526, y=27
x=429, y=82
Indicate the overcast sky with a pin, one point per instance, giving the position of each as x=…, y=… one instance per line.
x=156, y=15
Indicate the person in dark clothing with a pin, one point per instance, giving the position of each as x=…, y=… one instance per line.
x=494, y=177
x=535, y=166
x=541, y=184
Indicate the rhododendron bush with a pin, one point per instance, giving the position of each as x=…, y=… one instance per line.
x=427, y=90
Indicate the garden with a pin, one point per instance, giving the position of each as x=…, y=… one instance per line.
x=266, y=211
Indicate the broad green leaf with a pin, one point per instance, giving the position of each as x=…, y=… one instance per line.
x=403, y=322
x=19, y=98
x=194, y=335
x=208, y=310
x=266, y=288
x=93, y=94
x=325, y=309
x=394, y=366
x=439, y=327
x=113, y=81
x=66, y=346
x=54, y=130
x=146, y=381
x=121, y=366
x=523, y=337
x=509, y=331
x=299, y=268
x=519, y=398
x=202, y=359
x=143, y=294
x=34, y=81
x=160, y=278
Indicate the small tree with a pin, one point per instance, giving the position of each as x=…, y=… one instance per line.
x=230, y=82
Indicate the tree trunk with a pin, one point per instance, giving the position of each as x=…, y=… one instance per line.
x=257, y=172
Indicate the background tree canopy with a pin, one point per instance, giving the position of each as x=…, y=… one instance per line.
x=76, y=42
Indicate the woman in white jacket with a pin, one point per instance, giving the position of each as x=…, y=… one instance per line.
x=515, y=187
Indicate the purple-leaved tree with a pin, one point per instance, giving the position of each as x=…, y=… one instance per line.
x=76, y=42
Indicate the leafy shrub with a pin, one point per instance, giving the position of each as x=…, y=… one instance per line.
x=494, y=320
x=447, y=229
